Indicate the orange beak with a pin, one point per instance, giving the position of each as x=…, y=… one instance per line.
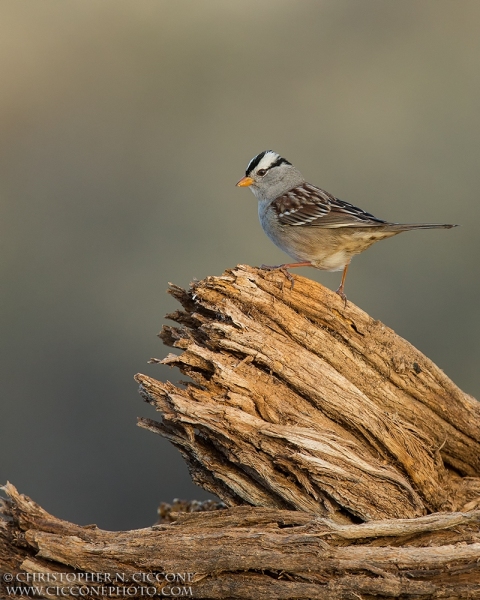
x=245, y=182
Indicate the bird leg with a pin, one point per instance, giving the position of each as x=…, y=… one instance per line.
x=342, y=284
x=283, y=268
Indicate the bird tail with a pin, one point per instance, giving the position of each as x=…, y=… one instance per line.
x=407, y=226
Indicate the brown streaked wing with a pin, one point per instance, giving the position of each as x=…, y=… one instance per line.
x=308, y=205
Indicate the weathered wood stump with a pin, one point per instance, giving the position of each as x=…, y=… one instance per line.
x=349, y=462
x=297, y=402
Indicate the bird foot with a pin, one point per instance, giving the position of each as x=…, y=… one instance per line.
x=342, y=295
x=282, y=269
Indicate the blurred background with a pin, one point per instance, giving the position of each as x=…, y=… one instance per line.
x=124, y=127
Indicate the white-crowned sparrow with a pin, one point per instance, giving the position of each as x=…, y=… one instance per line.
x=310, y=225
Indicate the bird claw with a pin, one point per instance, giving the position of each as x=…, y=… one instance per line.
x=342, y=296
x=282, y=269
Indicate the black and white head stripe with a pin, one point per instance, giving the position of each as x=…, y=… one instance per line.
x=266, y=160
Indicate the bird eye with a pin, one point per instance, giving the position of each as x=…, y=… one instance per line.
x=261, y=172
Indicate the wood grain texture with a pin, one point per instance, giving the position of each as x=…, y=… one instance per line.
x=252, y=552
x=298, y=402
x=348, y=462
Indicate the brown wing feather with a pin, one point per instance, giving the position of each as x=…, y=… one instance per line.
x=311, y=206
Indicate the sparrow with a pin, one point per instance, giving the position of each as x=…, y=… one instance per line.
x=312, y=226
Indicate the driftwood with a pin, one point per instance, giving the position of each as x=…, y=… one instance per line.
x=349, y=462
x=252, y=553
